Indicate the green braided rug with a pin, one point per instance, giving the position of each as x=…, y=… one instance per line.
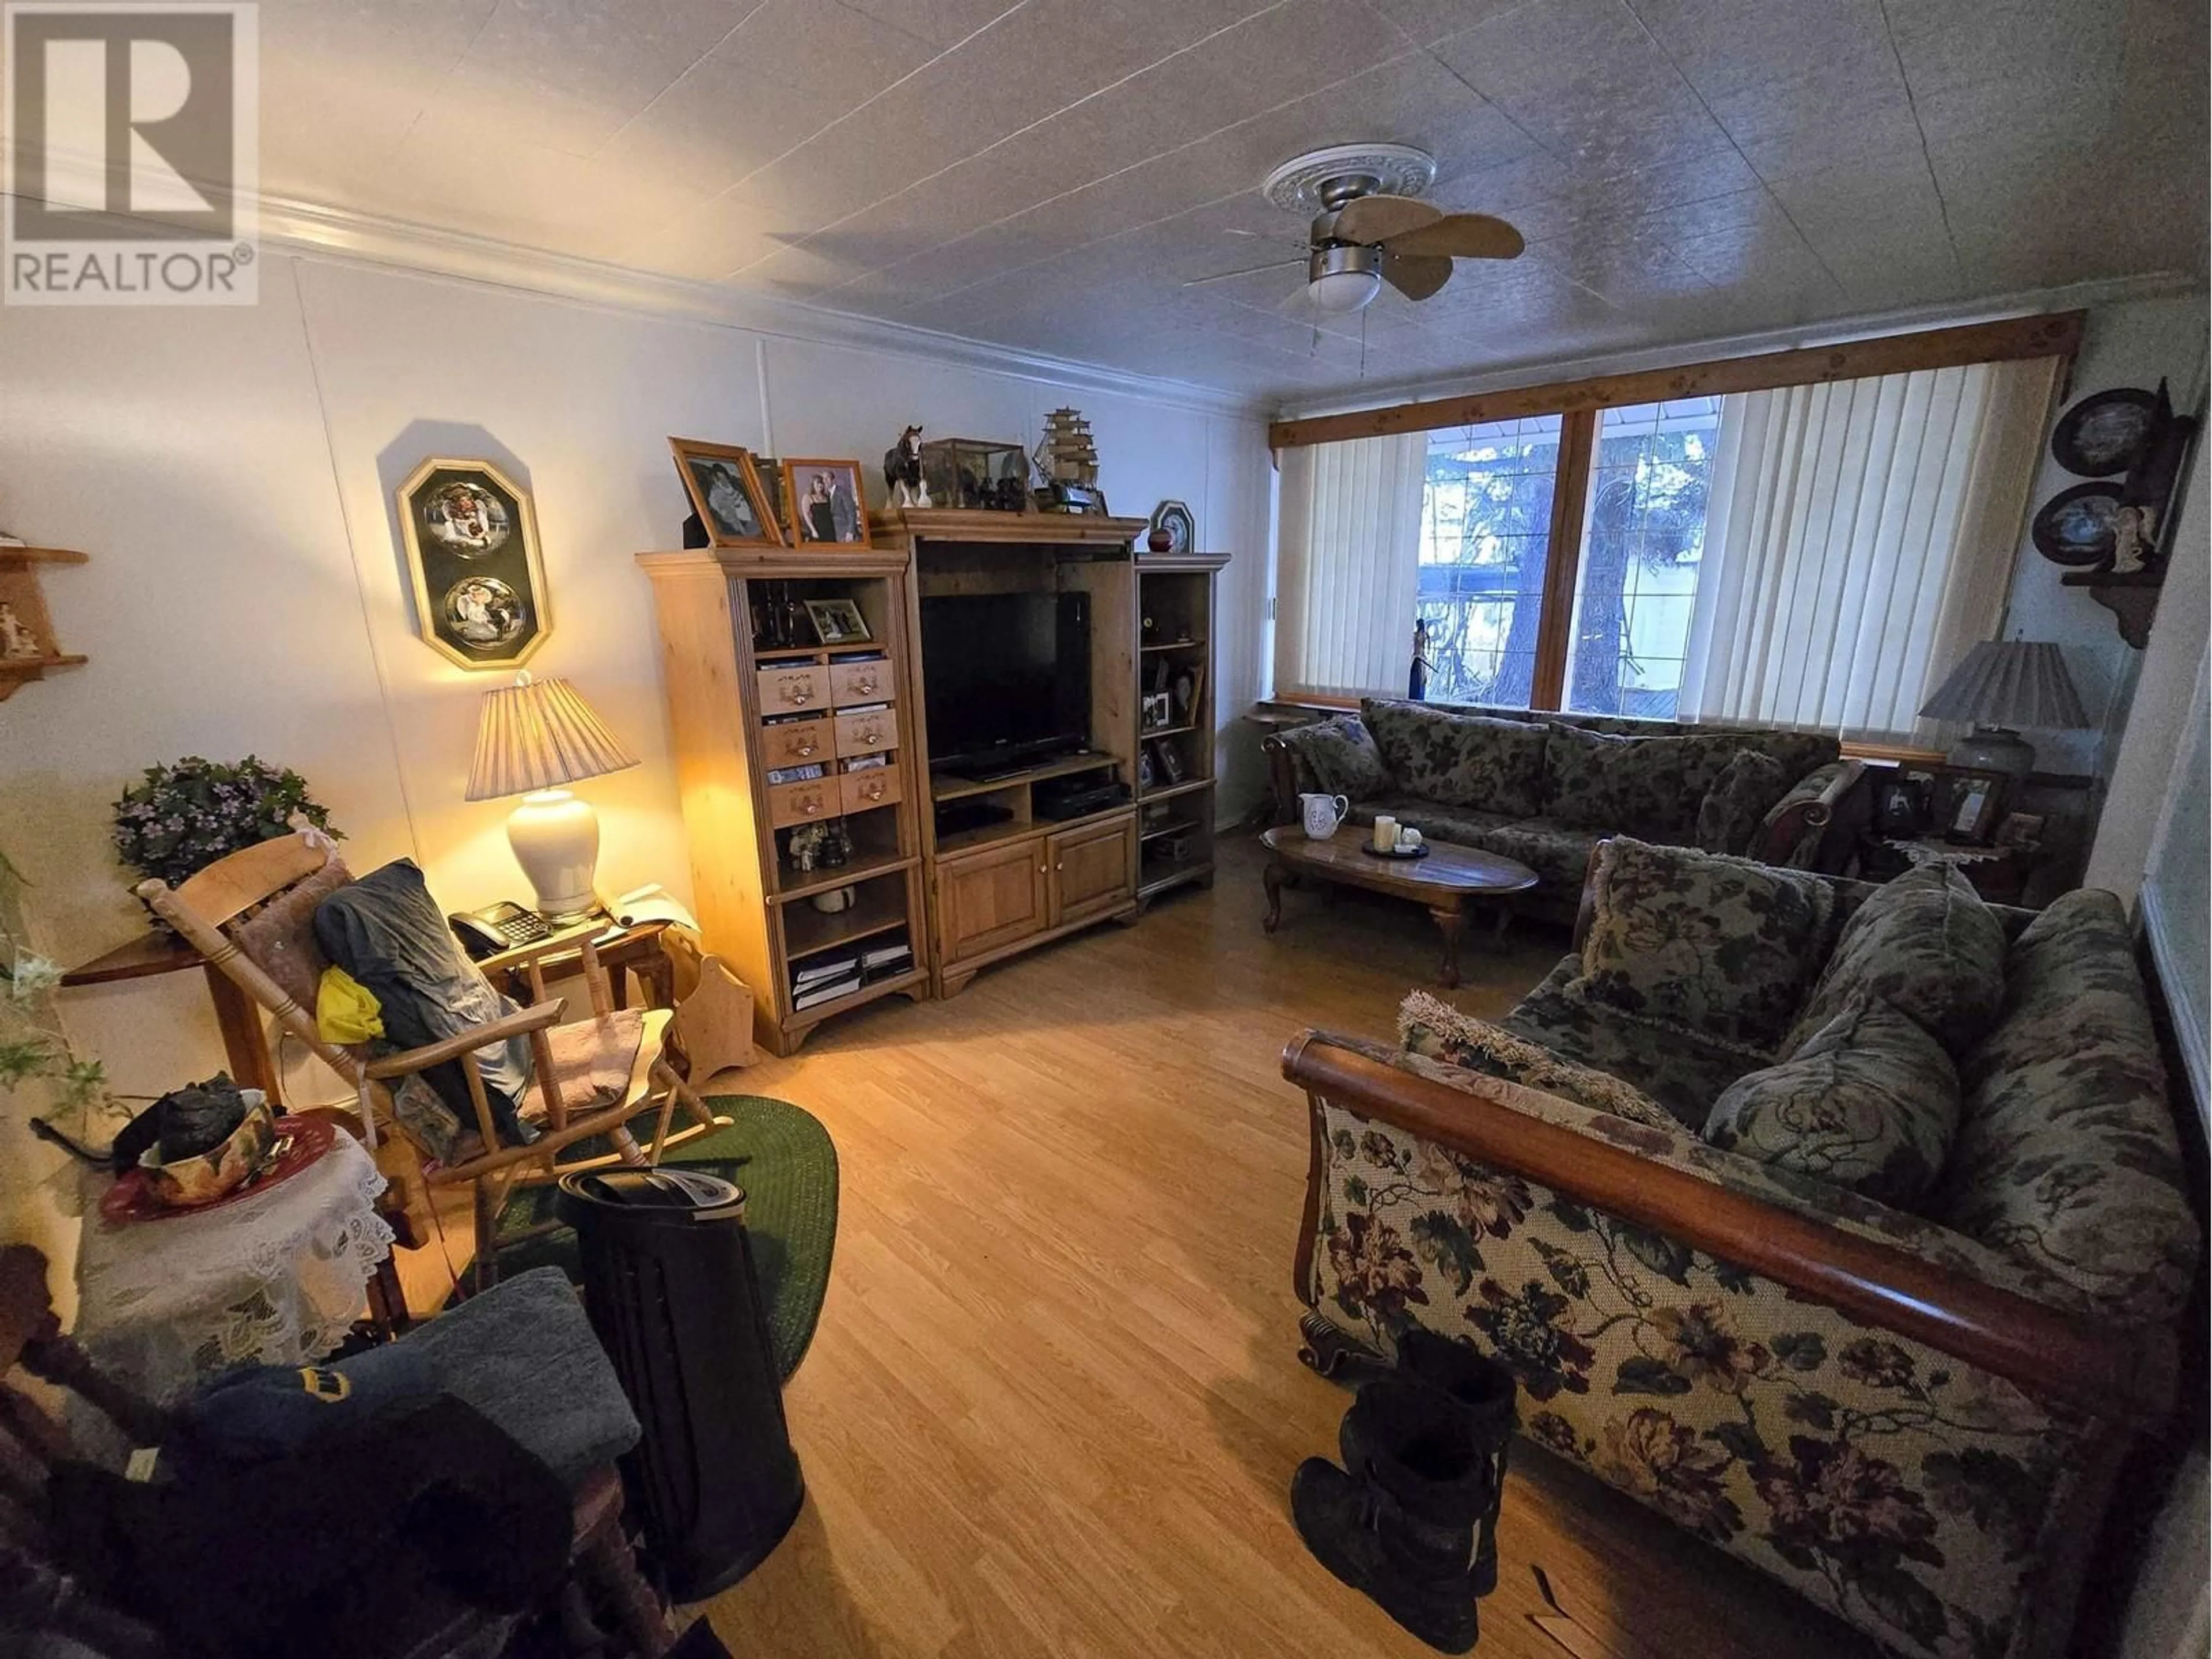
x=782, y=1156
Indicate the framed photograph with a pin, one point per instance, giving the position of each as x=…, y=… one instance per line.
x=1185, y=689
x=823, y=505
x=1147, y=777
x=725, y=488
x=839, y=621
x=2021, y=829
x=1156, y=712
x=1970, y=803
x=472, y=560
x=1901, y=803
x=1171, y=762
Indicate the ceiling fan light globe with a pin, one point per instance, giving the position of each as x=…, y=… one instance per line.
x=1341, y=293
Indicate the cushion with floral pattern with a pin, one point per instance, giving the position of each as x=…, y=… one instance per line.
x=1337, y=757
x=1433, y=1029
x=1462, y=760
x=1720, y=947
x=1926, y=944
x=1870, y=1102
x=1729, y=816
x=1652, y=784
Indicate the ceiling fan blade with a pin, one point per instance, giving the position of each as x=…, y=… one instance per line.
x=1460, y=236
x=1416, y=277
x=1249, y=270
x=1371, y=219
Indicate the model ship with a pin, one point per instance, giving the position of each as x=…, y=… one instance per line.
x=1067, y=459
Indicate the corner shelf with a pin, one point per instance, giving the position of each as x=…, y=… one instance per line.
x=2130, y=596
x=19, y=592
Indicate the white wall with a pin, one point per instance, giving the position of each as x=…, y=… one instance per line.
x=2133, y=344
x=230, y=471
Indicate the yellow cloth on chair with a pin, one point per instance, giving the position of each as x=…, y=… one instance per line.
x=346, y=1011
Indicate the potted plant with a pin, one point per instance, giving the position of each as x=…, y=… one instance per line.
x=32, y=1043
x=187, y=815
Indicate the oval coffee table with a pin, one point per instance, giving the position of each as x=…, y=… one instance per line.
x=1444, y=883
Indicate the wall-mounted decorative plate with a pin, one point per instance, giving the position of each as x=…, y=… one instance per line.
x=480, y=597
x=2078, y=527
x=2103, y=435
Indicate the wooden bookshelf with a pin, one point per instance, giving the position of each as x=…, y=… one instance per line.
x=1176, y=599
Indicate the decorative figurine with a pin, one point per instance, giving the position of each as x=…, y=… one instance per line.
x=1417, y=677
x=903, y=470
x=2130, y=539
x=17, y=640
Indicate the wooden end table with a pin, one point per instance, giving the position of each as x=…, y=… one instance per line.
x=1446, y=883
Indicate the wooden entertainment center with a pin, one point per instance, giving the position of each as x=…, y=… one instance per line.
x=1041, y=850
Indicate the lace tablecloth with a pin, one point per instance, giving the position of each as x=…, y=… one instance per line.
x=272, y=1279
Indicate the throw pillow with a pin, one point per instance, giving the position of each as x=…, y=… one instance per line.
x=1437, y=1030
x=279, y=938
x=1868, y=1102
x=1462, y=760
x=1928, y=944
x=1729, y=816
x=1613, y=781
x=1337, y=757
x=1720, y=947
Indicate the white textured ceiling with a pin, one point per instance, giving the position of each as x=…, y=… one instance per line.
x=1048, y=174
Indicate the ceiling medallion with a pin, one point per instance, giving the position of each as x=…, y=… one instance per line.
x=1301, y=183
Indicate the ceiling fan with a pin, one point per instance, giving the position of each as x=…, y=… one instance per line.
x=1370, y=228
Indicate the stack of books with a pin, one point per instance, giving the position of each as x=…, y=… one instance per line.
x=824, y=980
x=886, y=961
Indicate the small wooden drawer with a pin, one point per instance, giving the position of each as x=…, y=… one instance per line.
x=877, y=787
x=794, y=743
x=861, y=682
x=872, y=733
x=794, y=685
x=800, y=803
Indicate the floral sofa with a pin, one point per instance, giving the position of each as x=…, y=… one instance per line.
x=1913, y=1416
x=1544, y=788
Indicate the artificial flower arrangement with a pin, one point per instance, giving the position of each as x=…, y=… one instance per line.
x=32, y=1043
x=188, y=814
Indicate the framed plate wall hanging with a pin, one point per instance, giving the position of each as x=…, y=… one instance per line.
x=472, y=558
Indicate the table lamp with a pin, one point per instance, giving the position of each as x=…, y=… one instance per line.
x=534, y=737
x=2001, y=685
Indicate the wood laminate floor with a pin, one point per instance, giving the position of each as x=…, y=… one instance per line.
x=1054, y=1402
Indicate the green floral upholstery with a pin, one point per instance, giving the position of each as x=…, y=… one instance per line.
x=1718, y=948
x=1460, y=760
x=1430, y=1028
x=1909, y=1493
x=1734, y=809
x=1684, y=1073
x=1870, y=1102
x=1926, y=944
x=1337, y=756
x=2067, y=1157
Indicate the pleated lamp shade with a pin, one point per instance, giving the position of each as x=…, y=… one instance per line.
x=2013, y=683
x=539, y=734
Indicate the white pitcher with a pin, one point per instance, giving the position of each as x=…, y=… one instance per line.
x=1322, y=813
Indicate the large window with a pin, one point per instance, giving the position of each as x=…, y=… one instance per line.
x=1811, y=555
x=1486, y=530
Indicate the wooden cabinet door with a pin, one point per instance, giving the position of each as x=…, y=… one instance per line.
x=990, y=898
x=1093, y=870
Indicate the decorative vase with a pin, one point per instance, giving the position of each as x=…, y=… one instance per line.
x=1160, y=541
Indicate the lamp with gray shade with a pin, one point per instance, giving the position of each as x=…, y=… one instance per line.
x=2001, y=686
x=535, y=737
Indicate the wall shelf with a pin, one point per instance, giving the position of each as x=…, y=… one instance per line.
x=2132, y=598
x=20, y=595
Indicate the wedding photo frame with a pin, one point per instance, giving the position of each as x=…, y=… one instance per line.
x=726, y=493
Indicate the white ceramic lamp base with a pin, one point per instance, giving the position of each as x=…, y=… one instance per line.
x=556, y=838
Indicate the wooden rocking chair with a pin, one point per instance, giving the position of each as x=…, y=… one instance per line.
x=252, y=916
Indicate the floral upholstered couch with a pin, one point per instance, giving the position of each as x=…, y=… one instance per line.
x=1543, y=789
x=1911, y=1411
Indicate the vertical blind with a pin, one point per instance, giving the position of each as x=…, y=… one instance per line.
x=1347, y=565
x=1860, y=537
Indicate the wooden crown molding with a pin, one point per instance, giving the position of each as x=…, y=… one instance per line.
x=2055, y=335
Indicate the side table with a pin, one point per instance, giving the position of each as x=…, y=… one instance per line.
x=1999, y=874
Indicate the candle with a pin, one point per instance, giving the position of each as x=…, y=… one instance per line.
x=1386, y=832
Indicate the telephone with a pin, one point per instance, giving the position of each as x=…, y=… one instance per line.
x=498, y=927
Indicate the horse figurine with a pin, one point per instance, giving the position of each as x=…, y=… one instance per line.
x=903, y=470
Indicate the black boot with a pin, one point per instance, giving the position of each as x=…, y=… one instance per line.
x=1485, y=1391
x=1403, y=1533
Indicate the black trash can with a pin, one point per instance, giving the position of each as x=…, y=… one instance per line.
x=669, y=1284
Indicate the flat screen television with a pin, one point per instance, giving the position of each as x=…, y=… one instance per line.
x=1008, y=678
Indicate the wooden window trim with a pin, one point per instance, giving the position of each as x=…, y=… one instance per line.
x=2057, y=334
x=1562, y=559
